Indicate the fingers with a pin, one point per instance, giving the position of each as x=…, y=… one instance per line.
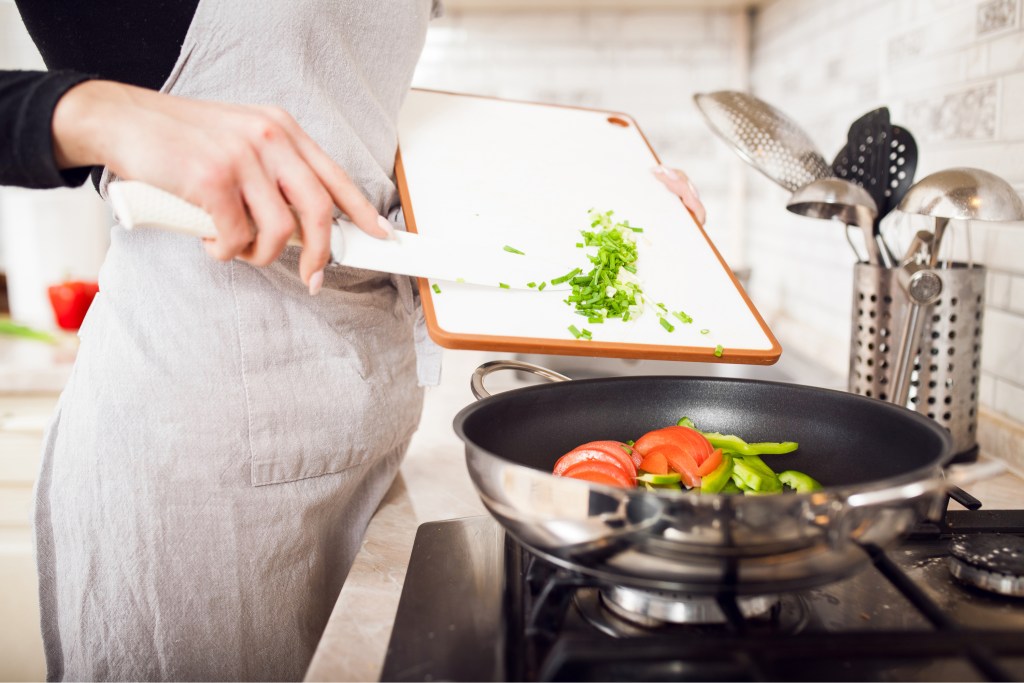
x=234, y=231
x=269, y=211
x=313, y=207
x=679, y=184
x=342, y=190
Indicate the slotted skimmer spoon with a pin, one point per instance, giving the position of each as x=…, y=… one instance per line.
x=764, y=137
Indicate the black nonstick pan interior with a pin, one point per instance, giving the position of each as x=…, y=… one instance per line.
x=845, y=440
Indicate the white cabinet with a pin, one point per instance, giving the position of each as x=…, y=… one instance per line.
x=23, y=418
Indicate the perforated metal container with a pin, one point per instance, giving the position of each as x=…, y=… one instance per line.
x=947, y=360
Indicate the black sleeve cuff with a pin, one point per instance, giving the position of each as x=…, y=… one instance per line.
x=27, y=101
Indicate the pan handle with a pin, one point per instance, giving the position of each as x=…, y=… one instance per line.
x=476, y=383
x=904, y=492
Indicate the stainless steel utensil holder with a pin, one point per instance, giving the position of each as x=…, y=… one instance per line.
x=947, y=361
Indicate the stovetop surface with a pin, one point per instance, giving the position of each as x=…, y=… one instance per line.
x=476, y=606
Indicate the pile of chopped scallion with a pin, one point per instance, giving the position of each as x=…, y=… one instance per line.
x=610, y=289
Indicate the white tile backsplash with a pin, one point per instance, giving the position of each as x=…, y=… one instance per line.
x=952, y=72
x=645, y=63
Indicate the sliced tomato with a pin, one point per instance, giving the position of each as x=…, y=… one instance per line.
x=711, y=464
x=599, y=472
x=616, y=449
x=689, y=440
x=655, y=463
x=678, y=461
x=580, y=455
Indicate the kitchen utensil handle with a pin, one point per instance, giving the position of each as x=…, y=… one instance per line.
x=964, y=498
x=905, y=354
x=140, y=205
x=954, y=477
x=476, y=383
x=923, y=288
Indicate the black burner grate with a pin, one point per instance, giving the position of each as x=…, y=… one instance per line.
x=548, y=640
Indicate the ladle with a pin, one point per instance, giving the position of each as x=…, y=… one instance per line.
x=841, y=200
x=967, y=194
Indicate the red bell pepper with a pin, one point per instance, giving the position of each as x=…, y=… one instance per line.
x=70, y=301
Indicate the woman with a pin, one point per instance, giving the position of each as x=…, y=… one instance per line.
x=225, y=437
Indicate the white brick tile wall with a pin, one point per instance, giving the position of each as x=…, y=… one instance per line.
x=1011, y=396
x=952, y=71
x=645, y=63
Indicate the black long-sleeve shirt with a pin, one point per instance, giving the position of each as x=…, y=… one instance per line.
x=130, y=41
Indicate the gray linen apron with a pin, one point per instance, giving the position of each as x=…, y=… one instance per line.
x=225, y=437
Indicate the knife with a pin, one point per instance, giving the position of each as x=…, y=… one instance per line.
x=140, y=205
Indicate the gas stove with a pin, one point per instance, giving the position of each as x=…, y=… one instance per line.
x=478, y=606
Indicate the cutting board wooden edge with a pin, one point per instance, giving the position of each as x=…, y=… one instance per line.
x=572, y=347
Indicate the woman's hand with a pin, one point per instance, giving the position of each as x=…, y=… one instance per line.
x=679, y=184
x=244, y=165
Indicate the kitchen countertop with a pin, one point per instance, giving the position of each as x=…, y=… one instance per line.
x=435, y=485
x=33, y=367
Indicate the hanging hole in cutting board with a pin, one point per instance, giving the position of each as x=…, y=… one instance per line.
x=615, y=120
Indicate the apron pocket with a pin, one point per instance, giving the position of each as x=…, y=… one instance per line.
x=330, y=381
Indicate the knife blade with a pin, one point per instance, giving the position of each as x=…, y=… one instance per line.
x=140, y=205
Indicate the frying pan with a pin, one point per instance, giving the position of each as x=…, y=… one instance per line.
x=880, y=464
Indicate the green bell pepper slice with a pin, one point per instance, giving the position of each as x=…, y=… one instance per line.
x=731, y=487
x=734, y=444
x=799, y=481
x=659, y=479
x=663, y=487
x=751, y=478
x=715, y=481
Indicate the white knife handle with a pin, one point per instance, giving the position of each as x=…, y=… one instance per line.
x=140, y=205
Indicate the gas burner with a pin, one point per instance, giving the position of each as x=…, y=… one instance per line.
x=991, y=562
x=655, y=608
x=614, y=612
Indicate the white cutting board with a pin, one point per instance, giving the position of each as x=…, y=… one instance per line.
x=522, y=174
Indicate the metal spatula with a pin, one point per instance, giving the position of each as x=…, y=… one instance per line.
x=764, y=137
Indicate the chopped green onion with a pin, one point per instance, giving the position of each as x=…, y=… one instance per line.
x=503, y=285
x=531, y=285
x=594, y=319
x=586, y=333
x=635, y=229
x=513, y=250
x=683, y=317
x=579, y=245
x=666, y=324
x=705, y=331
x=437, y=290
x=541, y=286
x=718, y=351
x=662, y=307
x=13, y=329
x=575, y=331
x=567, y=276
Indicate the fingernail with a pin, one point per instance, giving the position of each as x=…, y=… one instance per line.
x=385, y=225
x=658, y=170
x=669, y=172
x=693, y=189
x=316, y=282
